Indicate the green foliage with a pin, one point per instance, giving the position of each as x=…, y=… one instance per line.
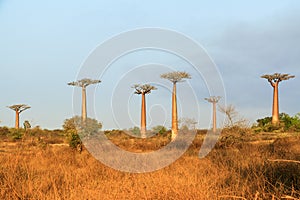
x=159, y=129
x=74, y=140
x=4, y=131
x=135, y=130
x=287, y=123
x=264, y=121
x=16, y=134
x=75, y=129
x=26, y=125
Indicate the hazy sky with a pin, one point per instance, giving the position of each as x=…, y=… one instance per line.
x=43, y=45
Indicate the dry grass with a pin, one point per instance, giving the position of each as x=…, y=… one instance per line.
x=241, y=171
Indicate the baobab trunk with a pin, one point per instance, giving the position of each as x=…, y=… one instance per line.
x=83, y=111
x=275, y=111
x=143, y=116
x=214, y=117
x=17, y=120
x=174, y=113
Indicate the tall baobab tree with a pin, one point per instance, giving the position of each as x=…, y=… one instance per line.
x=274, y=80
x=83, y=83
x=175, y=77
x=214, y=100
x=18, y=108
x=143, y=90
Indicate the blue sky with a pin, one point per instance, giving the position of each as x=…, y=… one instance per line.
x=44, y=44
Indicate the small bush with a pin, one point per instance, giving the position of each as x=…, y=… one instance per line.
x=16, y=134
x=74, y=140
x=159, y=129
x=135, y=130
x=4, y=131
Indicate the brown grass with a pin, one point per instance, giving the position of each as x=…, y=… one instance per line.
x=240, y=171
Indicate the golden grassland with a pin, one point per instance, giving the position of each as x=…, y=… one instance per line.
x=237, y=168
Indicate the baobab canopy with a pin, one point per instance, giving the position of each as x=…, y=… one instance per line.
x=143, y=89
x=277, y=77
x=176, y=76
x=274, y=80
x=213, y=99
x=19, y=107
x=84, y=82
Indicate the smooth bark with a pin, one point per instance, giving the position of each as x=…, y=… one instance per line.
x=83, y=109
x=174, y=113
x=214, y=117
x=143, y=116
x=17, y=123
x=275, y=110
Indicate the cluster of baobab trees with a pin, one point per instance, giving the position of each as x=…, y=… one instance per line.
x=175, y=77
x=140, y=89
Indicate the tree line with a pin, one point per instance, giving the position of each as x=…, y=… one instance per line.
x=174, y=77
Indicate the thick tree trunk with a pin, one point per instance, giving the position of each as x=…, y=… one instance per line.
x=83, y=109
x=214, y=117
x=143, y=116
x=174, y=113
x=17, y=120
x=275, y=111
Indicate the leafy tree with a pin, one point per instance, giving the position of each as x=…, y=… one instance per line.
x=264, y=121
x=287, y=123
x=75, y=129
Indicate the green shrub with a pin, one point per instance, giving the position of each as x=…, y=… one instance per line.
x=287, y=123
x=75, y=129
x=135, y=130
x=16, y=134
x=4, y=131
x=161, y=130
x=74, y=140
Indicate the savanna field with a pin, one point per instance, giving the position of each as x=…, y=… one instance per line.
x=244, y=164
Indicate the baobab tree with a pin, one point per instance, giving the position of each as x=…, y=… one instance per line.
x=83, y=83
x=18, y=108
x=143, y=90
x=214, y=100
x=175, y=77
x=274, y=80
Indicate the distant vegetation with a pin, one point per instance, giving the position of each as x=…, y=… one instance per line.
x=286, y=124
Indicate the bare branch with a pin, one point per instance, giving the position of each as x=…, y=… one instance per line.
x=284, y=160
x=176, y=76
x=143, y=89
x=230, y=112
